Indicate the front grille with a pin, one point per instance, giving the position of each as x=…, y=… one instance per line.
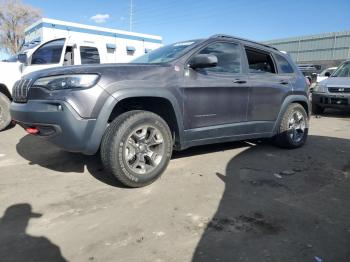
x=20, y=90
x=339, y=89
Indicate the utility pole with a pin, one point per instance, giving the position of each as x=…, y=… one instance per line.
x=131, y=15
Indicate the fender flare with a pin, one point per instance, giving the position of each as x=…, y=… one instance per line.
x=287, y=101
x=112, y=101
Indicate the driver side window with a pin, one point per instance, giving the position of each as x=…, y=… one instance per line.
x=49, y=53
x=229, y=57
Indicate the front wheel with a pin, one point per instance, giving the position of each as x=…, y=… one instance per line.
x=137, y=148
x=5, y=117
x=293, y=129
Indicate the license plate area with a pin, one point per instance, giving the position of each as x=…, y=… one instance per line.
x=338, y=101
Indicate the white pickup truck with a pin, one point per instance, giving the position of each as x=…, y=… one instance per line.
x=57, y=52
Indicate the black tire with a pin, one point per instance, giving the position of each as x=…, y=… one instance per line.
x=115, y=140
x=5, y=117
x=284, y=134
x=316, y=109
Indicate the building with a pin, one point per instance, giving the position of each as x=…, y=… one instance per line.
x=122, y=46
x=328, y=49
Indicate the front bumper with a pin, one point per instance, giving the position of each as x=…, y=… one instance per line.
x=341, y=101
x=58, y=122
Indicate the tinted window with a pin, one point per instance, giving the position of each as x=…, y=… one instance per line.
x=283, y=64
x=259, y=61
x=229, y=57
x=89, y=55
x=49, y=53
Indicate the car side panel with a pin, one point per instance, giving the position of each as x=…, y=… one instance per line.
x=267, y=94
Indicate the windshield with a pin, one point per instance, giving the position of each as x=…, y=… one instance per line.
x=166, y=53
x=342, y=71
x=323, y=73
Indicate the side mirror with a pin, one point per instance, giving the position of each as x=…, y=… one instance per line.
x=22, y=58
x=203, y=61
x=327, y=74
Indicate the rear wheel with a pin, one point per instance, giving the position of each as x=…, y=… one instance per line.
x=137, y=148
x=5, y=117
x=293, y=129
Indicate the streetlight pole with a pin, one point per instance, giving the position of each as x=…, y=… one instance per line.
x=131, y=15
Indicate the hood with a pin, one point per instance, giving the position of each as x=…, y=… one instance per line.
x=336, y=81
x=7, y=66
x=109, y=72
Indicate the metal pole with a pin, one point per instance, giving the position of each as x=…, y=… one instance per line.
x=130, y=16
x=334, y=43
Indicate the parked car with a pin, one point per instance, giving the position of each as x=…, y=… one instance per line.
x=310, y=71
x=325, y=74
x=185, y=94
x=334, y=92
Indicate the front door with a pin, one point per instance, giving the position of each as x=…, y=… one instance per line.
x=216, y=96
x=46, y=56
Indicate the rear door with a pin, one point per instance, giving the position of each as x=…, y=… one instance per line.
x=218, y=95
x=268, y=88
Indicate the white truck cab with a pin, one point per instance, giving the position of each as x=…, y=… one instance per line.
x=53, y=53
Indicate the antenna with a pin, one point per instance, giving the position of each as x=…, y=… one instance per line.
x=131, y=15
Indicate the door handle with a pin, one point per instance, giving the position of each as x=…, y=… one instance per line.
x=284, y=82
x=239, y=81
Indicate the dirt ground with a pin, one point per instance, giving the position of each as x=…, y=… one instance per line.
x=245, y=201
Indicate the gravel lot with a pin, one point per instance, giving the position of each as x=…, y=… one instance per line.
x=245, y=201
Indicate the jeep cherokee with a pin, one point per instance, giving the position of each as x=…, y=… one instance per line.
x=185, y=94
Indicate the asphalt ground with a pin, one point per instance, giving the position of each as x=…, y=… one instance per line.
x=242, y=201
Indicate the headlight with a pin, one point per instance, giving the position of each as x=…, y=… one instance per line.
x=67, y=81
x=321, y=88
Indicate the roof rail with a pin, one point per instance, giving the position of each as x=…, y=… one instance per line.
x=243, y=39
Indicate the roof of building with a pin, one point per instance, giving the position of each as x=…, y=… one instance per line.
x=308, y=37
x=76, y=27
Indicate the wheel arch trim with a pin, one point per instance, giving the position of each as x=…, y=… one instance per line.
x=115, y=98
x=287, y=101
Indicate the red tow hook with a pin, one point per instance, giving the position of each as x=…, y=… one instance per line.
x=32, y=130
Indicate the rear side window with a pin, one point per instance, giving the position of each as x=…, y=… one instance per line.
x=229, y=57
x=259, y=61
x=89, y=55
x=283, y=65
x=49, y=53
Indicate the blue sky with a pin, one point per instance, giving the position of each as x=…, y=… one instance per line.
x=177, y=20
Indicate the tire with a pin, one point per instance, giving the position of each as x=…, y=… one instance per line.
x=136, y=158
x=293, y=128
x=316, y=109
x=5, y=117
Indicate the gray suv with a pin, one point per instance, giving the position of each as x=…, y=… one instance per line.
x=185, y=94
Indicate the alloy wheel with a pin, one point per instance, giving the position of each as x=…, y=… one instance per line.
x=144, y=149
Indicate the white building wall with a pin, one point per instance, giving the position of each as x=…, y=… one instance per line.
x=48, y=29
